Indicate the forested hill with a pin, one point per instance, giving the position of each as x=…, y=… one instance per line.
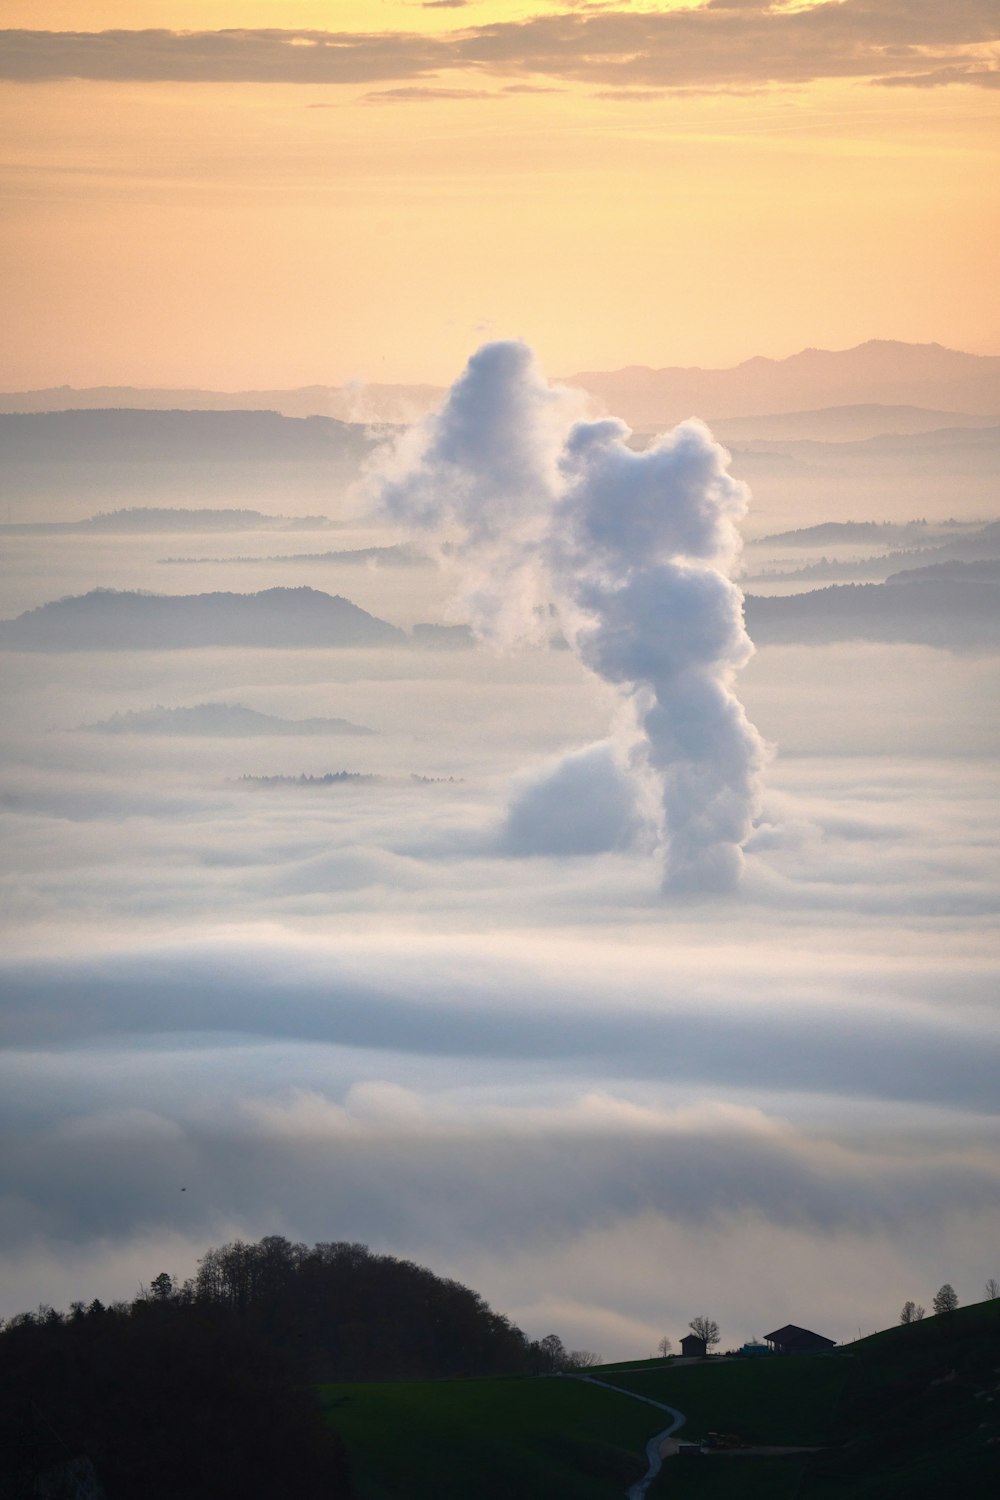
x=115, y=620
x=204, y=1390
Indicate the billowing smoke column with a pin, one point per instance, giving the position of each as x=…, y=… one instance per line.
x=634, y=549
x=483, y=473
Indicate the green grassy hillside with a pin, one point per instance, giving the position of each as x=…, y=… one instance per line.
x=789, y=1400
x=922, y=1409
x=515, y=1438
x=909, y=1414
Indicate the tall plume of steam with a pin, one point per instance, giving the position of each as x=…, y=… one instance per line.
x=635, y=551
x=483, y=474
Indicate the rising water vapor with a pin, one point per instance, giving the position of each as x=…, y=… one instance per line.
x=634, y=550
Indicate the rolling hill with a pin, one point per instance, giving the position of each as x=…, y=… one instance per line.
x=109, y=620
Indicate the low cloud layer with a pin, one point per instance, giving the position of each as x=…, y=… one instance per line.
x=380, y=1011
x=720, y=45
x=525, y=1170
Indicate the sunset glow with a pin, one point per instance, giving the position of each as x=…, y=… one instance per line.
x=240, y=233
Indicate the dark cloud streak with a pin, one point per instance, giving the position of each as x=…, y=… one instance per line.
x=503, y=1018
x=118, y=1172
x=918, y=42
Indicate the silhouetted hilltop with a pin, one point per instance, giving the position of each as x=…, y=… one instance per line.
x=944, y=447
x=843, y=424
x=178, y=457
x=222, y=720
x=958, y=614
x=357, y=403
x=156, y=518
x=818, y=392
x=201, y=1390
x=979, y=544
x=376, y=557
x=852, y=533
x=881, y=371
x=176, y=437
x=155, y=1401
x=108, y=620
x=919, y=1412
x=987, y=571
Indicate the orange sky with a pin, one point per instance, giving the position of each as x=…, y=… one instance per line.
x=239, y=233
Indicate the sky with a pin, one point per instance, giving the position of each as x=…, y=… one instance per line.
x=642, y=972
x=239, y=194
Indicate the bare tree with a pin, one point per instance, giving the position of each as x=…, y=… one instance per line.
x=992, y=1289
x=912, y=1312
x=582, y=1359
x=705, y=1328
x=664, y=1347
x=946, y=1299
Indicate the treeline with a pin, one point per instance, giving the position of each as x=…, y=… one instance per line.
x=203, y=1388
x=346, y=1313
x=155, y=1400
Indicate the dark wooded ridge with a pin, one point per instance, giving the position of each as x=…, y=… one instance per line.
x=205, y=1389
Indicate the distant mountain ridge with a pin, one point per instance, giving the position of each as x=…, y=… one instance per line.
x=845, y=424
x=882, y=372
x=969, y=548
x=175, y=458
x=173, y=435
x=953, y=612
x=169, y=519
x=219, y=720
x=351, y=404
x=109, y=620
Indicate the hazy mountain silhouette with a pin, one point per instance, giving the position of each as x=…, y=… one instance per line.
x=402, y=556
x=958, y=613
x=884, y=372
x=874, y=533
x=881, y=373
x=939, y=612
x=155, y=518
x=177, y=436
x=930, y=463
x=358, y=403
x=843, y=424
x=178, y=457
x=987, y=571
x=222, y=720
x=979, y=544
x=108, y=620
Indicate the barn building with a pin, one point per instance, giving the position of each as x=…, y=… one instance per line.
x=692, y=1347
x=794, y=1340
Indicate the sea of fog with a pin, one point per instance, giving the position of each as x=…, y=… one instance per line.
x=366, y=1008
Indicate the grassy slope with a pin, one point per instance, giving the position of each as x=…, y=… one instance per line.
x=792, y=1400
x=903, y=1426
x=923, y=1410
x=494, y=1439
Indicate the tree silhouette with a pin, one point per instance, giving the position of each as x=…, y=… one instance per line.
x=705, y=1328
x=946, y=1299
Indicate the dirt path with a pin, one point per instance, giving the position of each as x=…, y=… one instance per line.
x=655, y=1447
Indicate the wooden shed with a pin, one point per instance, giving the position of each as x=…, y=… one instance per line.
x=794, y=1340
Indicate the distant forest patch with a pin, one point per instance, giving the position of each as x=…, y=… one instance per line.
x=225, y=720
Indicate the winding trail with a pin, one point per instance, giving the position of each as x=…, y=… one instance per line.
x=654, y=1457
